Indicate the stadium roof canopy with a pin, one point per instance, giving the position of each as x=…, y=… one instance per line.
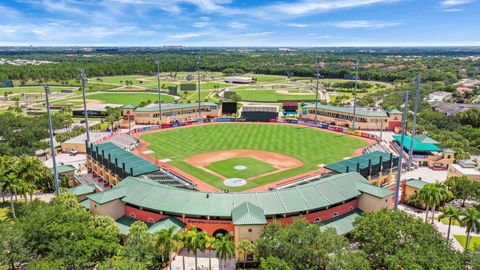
x=172, y=106
x=418, y=145
x=65, y=168
x=362, y=161
x=349, y=110
x=317, y=195
x=124, y=223
x=248, y=214
x=132, y=162
x=416, y=183
x=82, y=189
x=344, y=223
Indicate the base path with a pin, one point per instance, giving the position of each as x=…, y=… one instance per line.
x=278, y=160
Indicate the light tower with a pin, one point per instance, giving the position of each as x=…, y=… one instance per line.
x=414, y=121
x=355, y=96
x=157, y=62
x=400, y=156
x=55, y=174
x=316, y=89
x=83, y=77
x=198, y=77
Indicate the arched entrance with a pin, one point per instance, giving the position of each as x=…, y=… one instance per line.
x=222, y=231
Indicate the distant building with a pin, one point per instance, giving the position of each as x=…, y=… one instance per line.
x=468, y=168
x=149, y=115
x=78, y=143
x=365, y=118
x=239, y=80
x=260, y=113
x=94, y=110
x=426, y=151
x=452, y=108
x=439, y=96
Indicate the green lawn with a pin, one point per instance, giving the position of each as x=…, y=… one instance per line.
x=312, y=146
x=5, y=211
x=127, y=98
x=34, y=89
x=445, y=221
x=474, y=241
x=272, y=96
x=262, y=78
x=254, y=167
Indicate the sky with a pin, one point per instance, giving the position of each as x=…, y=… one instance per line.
x=240, y=23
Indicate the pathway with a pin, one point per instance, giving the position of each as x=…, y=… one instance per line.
x=202, y=261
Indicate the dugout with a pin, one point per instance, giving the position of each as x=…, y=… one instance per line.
x=259, y=113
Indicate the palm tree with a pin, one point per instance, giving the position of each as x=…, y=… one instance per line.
x=11, y=184
x=425, y=197
x=224, y=247
x=441, y=194
x=167, y=243
x=209, y=244
x=245, y=247
x=195, y=240
x=452, y=214
x=471, y=221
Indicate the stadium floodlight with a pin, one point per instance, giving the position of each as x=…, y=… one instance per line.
x=414, y=121
x=50, y=127
x=157, y=62
x=83, y=77
x=316, y=89
x=198, y=75
x=355, y=96
x=399, y=166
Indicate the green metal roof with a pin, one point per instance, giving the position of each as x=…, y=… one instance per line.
x=124, y=223
x=351, y=163
x=85, y=203
x=394, y=111
x=423, y=138
x=129, y=106
x=344, y=223
x=417, y=145
x=416, y=183
x=172, y=106
x=373, y=190
x=248, y=214
x=349, y=110
x=82, y=189
x=139, y=165
x=64, y=168
x=316, y=195
x=108, y=195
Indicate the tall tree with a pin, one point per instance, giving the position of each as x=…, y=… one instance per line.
x=166, y=244
x=245, y=247
x=471, y=222
x=452, y=214
x=224, y=248
x=195, y=241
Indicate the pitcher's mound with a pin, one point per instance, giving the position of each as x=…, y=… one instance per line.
x=234, y=182
x=240, y=168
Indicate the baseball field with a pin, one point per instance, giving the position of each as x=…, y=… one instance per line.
x=259, y=153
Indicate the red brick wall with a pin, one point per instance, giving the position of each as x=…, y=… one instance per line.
x=142, y=214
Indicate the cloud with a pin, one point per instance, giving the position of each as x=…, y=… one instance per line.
x=361, y=24
x=237, y=25
x=452, y=3
x=307, y=7
x=299, y=25
x=184, y=35
x=258, y=34
x=200, y=24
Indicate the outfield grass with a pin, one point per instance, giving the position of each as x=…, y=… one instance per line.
x=128, y=98
x=262, y=78
x=474, y=241
x=254, y=167
x=271, y=96
x=311, y=146
x=34, y=89
x=454, y=222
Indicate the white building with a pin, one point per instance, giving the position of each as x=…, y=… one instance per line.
x=439, y=96
x=240, y=80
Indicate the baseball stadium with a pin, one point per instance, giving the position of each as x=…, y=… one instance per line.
x=232, y=175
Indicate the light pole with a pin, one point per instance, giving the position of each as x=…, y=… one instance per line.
x=400, y=156
x=355, y=96
x=414, y=121
x=316, y=89
x=159, y=92
x=198, y=77
x=55, y=174
x=83, y=77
